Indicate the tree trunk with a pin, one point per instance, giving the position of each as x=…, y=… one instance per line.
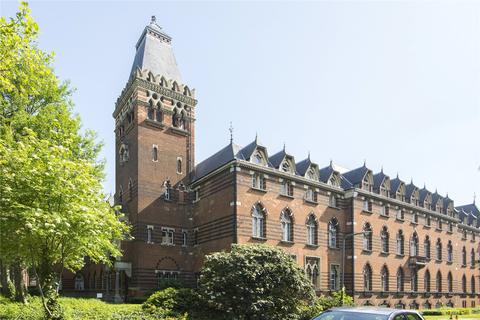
x=18, y=281
x=4, y=279
x=48, y=285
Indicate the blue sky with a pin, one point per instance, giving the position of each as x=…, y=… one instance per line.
x=393, y=83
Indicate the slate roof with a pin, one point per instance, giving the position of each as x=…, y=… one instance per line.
x=378, y=179
x=435, y=198
x=224, y=156
x=409, y=189
x=155, y=54
x=469, y=208
x=303, y=166
x=355, y=176
x=422, y=193
x=326, y=173
x=277, y=158
x=395, y=184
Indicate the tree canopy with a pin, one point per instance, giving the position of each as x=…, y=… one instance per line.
x=254, y=282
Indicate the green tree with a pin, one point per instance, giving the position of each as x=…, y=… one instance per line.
x=53, y=212
x=254, y=282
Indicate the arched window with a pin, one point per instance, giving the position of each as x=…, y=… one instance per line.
x=426, y=247
x=258, y=158
x=130, y=188
x=472, y=258
x=155, y=153
x=258, y=221
x=464, y=284
x=414, y=280
x=414, y=245
x=450, y=282
x=366, y=183
x=384, y=239
x=179, y=165
x=438, y=282
x=159, y=115
x=311, y=269
x=287, y=225
x=472, y=284
x=384, y=278
x=151, y=113
x=311, y=230
x=367, y=278
x=400, y=279
x=367, y=237
x=79, y=282
x=332, y=201
x=333, y=233
x=449, y=251
x=426, y=281
x=464, y=256
x=285, y=167
x=438, y=248
x=400, y=243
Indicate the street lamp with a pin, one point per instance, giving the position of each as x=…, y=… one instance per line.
x=345, y=237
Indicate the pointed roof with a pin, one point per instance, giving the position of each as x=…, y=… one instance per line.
x=251, y=147
x=326, y=173
x=378, y=179
x=423, y=193
x=224, y=156
x=356, y=176
x=410, y=189
x=154, y=53
x=395, y=184
x=303, y=166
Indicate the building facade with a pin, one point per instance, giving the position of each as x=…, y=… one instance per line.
x=389, y=242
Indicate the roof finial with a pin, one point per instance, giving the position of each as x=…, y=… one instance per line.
x=397, y=175
x=474, y=197
x=283, y=145
x=231, y=132
x=154, y=20
x=308, y=154
x=424, y=186
x=331, y=163
x=256, y=136
x=381, y=169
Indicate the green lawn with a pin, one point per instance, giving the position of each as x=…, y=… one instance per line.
x=460, y=317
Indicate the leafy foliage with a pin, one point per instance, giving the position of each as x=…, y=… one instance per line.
x=323, y=303
x=170, y=302
x=253, y=282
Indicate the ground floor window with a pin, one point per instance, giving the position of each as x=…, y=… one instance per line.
x=79, y=282
x=312, y=270
x=164, y=276
x=334, y=277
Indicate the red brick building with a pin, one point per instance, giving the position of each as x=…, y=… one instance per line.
x=412, y=248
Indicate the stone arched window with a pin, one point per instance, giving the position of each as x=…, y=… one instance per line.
x=414, y=245
x=464, y=256
x=464, y=284
x=367, y=182
x=400, y=243
x=367, y=278
x=384, y=275
x=472, y=285
x=179, y=165
x=333, y=233
x=450, y=282
x=472, y=258
x=258, y=158
x=400, y=279
x=426, y=281
x=312, y=270
x=258, y=221
x=312, y=230
x=155, y=153
x=426, y=247
x=367, y=237
x=286, y=220
x=438, y=282
x=385, y=239
x=438, y=248
x=449, y=251
x=414, y=280
x=151, y=113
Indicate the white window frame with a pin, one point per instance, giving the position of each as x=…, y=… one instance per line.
x=149, y=234
x=168, y=236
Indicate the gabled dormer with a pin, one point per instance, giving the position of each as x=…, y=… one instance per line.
x=283, y=162
x=330, y=176
x=256, y=153
x=306, y=168
x=437, y=202
x=425, y=198
x=381, y=184
x=411, y=194
x=448, y=207
x=361, y=178
x=397, y=189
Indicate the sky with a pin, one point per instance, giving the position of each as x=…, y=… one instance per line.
x=395, y=84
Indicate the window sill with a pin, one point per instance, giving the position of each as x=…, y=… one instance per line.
x=399, y=255
x=399, y=219
x=438, y=261
x=179, y=131
x=311, y=201
x=259, y=238
x=150, y=242
x=449, y=232
x=334, y=207
x=312, y=246
x=285, y=196
x=168, y=244
x=333, y=248
x=383, y=253
x=438, y=229
x=286, y=242
x=366, y=251
x=448, y=262
x=367, y=211
x=384, y=215
x=259, y=189
x=414, y=223
x=154, y=123
x=463, y=266
x=427, y=226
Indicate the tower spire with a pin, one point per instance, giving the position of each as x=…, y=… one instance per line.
x=231, y=132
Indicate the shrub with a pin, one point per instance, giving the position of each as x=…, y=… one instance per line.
x=323, y=303
x=170, y=302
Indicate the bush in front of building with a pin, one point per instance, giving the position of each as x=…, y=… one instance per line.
x=170, y=302
x=323, y=303
x=253, y=282
x=449, y=311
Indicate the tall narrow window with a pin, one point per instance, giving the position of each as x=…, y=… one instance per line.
x=414, y=245
x=400, y=243
x=472, y=258
x=259, y=181
x=184, y=238
x=311, y=230
x=464, y=256
x=195, y=237
x=311, y=195
x=449, y=251
x=332, y=201
x=155, y=153
x=179, y=165
x=149, y=234
x=312, y=270
x=384, y=278
x=384, y=238
x=367, y=278
x=400, y=214
x=367, y=205
x=287, y=189
x=426, y=247
x=438, y=282
x=414, y=280
x=428, y=220
x=150, y=114
x=450, y=282
x=385, y=210
x=333, y=233
x=464, y=284
x=334, y=277
x=426, y=281
x=367, y=237
x=258, y=221
x=438, y=248
x=400, y=280
x=287, y=225
x=472, y=285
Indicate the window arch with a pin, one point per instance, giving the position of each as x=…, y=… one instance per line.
x=312, y=230
x=414, y=245
x=384, y=275
x=367, y=237
x=400, y=243
x=367, y=182
x=464, y=256
x=426, y=281
x=333, y=233
x=438, y=281
x=449, y=251
x=155, y=153
x=472, y=258
x=450, y=282
x=384, y=239
x=130, y=188
x=367, y=278
x=179, y=165
x=426, y=247
x=464, y=284
x=400, y=279
x=286, y=220
x=151, y=113
x=438, y=248
x=258, y=221
x=414, y=280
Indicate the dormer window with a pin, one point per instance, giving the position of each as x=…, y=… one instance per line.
x=384, y=191
x=286, y=166
x=413, y=200
x=333, y=181
x=366, y=183
x=311, y=174
x=258, y=158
